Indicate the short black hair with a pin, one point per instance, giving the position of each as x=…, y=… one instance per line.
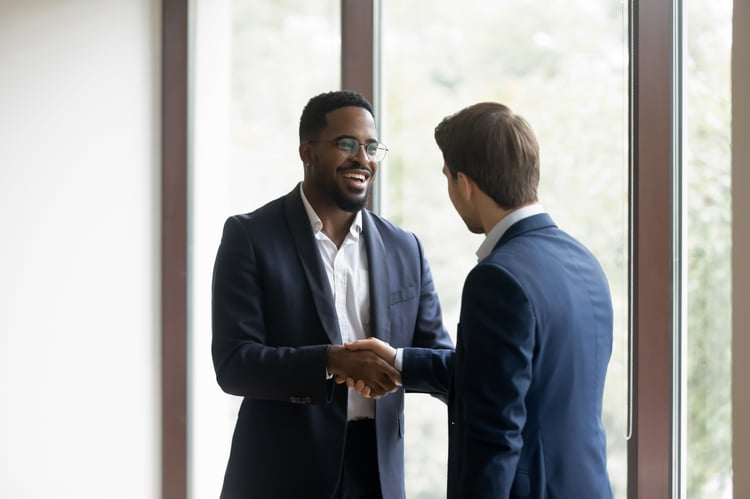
x=313, y=118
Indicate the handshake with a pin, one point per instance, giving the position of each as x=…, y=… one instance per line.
x=365, y=365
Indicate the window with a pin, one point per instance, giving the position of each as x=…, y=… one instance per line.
x=706, y=178
x=256, y=63
x=563, y=67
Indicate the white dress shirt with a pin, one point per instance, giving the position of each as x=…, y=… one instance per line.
x=349, y=278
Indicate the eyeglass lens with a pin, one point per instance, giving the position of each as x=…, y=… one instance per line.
x=351, y=147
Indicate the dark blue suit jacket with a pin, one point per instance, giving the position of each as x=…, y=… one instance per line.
x=533, y=344
x=273, y=318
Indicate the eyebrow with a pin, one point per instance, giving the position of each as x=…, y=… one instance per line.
x=369, y=141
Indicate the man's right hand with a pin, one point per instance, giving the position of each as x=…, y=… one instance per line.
x=366, y=366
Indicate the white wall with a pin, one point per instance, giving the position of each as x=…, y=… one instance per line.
x=79, y=244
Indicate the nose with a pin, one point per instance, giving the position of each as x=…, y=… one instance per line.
x=361, y=155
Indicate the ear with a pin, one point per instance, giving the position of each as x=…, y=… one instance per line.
x=305, y=153
x=466, y=186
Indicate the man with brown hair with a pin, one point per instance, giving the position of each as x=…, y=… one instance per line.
x=535, y=331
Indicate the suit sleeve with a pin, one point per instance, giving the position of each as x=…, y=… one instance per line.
x=427, y=363
x=497, y=339
x=245, y=363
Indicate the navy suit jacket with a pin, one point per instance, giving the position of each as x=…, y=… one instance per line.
x=273, y=318
x=533, y=344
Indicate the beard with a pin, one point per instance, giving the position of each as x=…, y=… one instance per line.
x=349, y=202
x=346, y=202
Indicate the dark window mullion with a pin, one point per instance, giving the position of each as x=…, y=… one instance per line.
x=649, y=449
x=357, y=40
x=174, y=153
x=358, y=52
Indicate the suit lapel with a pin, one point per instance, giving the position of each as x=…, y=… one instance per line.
x=299, y=225
x=380, y=297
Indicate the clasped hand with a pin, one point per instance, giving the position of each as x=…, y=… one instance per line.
x=365, y=365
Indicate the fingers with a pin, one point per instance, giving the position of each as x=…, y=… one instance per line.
x=377, y=387
x=366, y=344
x=360, y=387
x=366, y=366
x=381, y=348
x=364, y=390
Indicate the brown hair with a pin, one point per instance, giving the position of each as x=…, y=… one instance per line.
x=494, y=147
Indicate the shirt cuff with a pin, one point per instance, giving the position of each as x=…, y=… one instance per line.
x=328, y=375
x=398, y=362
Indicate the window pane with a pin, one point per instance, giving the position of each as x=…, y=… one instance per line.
x=563, y=66
x=707, y=208
x=257, y=62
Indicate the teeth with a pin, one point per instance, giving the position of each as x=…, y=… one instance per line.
x=357, y=176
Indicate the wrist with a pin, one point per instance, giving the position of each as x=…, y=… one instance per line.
x=332, y=359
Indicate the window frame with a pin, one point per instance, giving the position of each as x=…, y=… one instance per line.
x=650, y=456
x=174, y=240
x=652, y=41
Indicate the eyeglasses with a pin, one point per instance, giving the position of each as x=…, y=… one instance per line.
x=350, y=146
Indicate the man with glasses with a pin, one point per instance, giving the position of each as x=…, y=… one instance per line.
x=294, y=281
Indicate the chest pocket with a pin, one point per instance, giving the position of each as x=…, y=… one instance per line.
x=403, y=295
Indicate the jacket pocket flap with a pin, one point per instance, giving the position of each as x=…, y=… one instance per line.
x=403, y=295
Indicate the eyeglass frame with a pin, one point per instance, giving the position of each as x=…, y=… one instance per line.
x=379, y=146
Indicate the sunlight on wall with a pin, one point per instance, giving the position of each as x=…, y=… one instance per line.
x=79, y=370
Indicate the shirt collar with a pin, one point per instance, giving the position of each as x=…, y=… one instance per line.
x=503, y=225
x=317, y=224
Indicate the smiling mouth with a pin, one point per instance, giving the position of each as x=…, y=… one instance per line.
x=357, y=175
